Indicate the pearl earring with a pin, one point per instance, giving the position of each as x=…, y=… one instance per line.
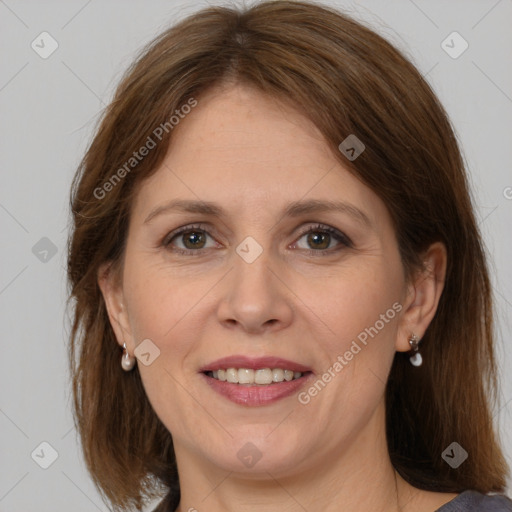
x=127, y=361
x=415, y=359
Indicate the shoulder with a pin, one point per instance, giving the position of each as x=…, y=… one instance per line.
x=473, y=501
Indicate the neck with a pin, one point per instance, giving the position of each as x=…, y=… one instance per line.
x=357, y=478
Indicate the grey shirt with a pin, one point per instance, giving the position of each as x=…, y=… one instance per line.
x=472, y=501
x=467, y=501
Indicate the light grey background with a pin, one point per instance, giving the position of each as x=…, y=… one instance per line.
x=48, y=110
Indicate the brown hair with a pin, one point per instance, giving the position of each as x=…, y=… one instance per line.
x=347, y=80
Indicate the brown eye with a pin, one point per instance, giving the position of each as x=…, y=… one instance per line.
x=320, y=239
x=193, y=239
x=188, y=240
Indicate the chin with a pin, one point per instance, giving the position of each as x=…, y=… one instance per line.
x=260, y=451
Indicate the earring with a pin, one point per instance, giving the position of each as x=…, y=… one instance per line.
x=415, y=359
x=127, y=361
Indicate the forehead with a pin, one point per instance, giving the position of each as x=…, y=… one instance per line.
x=250, y=153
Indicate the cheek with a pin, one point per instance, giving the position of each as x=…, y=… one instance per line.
x=160, y=299
x=362, y=312
x=361, y=308
x=161, y=308
x=358, y=302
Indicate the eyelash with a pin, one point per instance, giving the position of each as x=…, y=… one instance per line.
x=337, y=235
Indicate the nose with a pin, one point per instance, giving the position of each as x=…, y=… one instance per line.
x=255, y=297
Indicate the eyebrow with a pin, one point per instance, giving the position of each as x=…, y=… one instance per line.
x=294, y=209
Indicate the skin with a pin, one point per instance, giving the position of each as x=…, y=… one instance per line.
x=253, y=156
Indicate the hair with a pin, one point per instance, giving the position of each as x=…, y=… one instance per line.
x=347, y=80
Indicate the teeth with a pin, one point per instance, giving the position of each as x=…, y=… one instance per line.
x=245, y=376
x=232, y=375
x=277, y=375
x=263, y=376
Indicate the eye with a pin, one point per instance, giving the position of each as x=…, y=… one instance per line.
x=191, y=238
x=319, y=239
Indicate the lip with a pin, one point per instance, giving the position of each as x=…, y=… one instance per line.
x=256, y=395
x=254, y=363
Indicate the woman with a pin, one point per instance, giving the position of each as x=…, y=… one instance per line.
x=274, y=239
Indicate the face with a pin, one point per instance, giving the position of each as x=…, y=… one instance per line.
x=263, y=283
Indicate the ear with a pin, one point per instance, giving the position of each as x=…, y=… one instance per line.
x=111, y=289
x=423, y=296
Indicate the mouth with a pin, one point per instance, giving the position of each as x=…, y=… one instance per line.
x=255, y=382
x=250, y=377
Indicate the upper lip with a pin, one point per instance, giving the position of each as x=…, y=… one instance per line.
x=254, y=363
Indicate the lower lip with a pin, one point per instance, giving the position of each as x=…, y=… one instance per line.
x=258, y=395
